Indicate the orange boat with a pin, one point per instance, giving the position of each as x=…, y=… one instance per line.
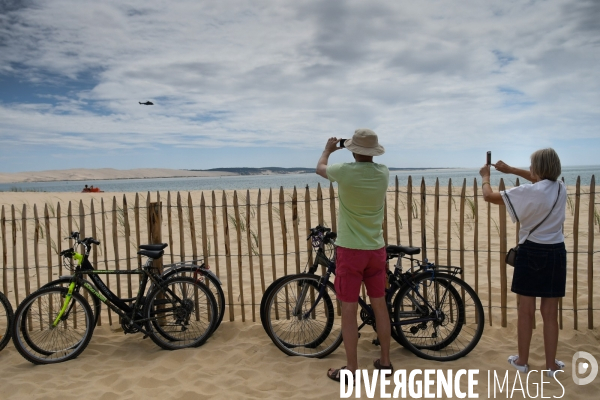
x=91, y=189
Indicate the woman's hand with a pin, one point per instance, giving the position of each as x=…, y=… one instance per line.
x=485, y=172
x=502, y=167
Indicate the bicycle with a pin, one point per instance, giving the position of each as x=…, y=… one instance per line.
x=433, y=313
x=6, y=318
x=56, y=323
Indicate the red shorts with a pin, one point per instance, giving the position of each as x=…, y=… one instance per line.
x=355, y=266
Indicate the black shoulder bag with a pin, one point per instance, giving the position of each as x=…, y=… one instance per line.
x=511, y=256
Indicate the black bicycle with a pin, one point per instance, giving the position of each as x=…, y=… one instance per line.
x=433, y=313
x=56, y=323
x=6, y=318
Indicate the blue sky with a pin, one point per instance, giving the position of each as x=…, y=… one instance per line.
x=265, y=83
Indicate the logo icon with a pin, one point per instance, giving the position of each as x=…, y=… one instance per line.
x=583, y=367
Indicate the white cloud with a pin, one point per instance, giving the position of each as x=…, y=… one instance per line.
x=428, y=74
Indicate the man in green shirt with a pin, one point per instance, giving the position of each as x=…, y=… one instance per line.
x=360, y=251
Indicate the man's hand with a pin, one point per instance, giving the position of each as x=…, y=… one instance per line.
x=330, y=147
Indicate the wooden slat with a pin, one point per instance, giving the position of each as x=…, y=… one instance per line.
x=476, y=235
x=250, y=254
x=575, y=254
x=409, y=209
x=148, y=229
x=95, y=248
x=271, y=234
x=127, y=245
x=397, y=210
x=332, y=207
x=295, y=223
x=105, y=250
x=423, y=219
x=25, y=253
x=192, y=223
x=238, y=232
x=36, y=242
x=4, y=252
x=70, y=224
x=503, y=249
x=48, y=242
x=59, y=237
x=590, y=277
x=489, y=260
x=14, y=253
x=215, y=233
x=320, y=204
x=115, y=240
x=260, y=244
x=204, y=230
x=449, y=227
x=283, y=230
x=436, y=222
x=308, y=223
x=228, y=256
x=384, y=224
x=181, y=233
x=170, y=227
x=463, y=199
x=138, y=234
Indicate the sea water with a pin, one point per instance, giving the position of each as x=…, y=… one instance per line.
x=300, y=181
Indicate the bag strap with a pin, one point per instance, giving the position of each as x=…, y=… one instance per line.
x=538, y=225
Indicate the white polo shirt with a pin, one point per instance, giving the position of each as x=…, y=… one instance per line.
x=529, y=204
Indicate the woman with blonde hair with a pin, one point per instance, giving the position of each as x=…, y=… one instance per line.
x=541, y=261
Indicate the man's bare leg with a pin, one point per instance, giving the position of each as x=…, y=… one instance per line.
x=350, y=335
x=382, y=319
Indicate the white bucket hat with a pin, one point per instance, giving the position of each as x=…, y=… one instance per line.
x=364, y=142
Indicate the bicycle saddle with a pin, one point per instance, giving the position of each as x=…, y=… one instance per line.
x=396, y=250
x=153, y=247
x=155, y=255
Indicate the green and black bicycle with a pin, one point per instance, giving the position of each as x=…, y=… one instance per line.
x=56, y=323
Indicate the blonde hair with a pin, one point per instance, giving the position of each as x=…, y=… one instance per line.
x=545, y=164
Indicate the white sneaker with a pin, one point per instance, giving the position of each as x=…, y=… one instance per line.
x=521, y=368
x=553, y=373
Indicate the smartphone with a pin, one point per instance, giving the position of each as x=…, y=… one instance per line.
x=342, y=141
x=489, y=158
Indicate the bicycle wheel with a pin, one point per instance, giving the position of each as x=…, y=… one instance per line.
x=65, y=281
x=182, y=313
x=213, y=284
x=457, y=319
x=293, y=327
x=263, y=301
x=36, y=336
x=6, y=318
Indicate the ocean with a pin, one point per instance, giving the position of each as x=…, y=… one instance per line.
x=286, y=181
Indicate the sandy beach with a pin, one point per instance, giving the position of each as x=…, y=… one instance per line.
x=239, y=361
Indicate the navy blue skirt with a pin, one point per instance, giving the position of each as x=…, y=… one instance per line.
x=540, y=270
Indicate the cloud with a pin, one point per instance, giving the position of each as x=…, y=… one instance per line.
x=422, y=74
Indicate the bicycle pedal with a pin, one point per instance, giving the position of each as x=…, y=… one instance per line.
x=376, y=342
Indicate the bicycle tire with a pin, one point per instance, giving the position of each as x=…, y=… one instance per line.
x=215, y=287
x=459, y=328
x=6, y=320
x=315, y=336
x=65, y=341
x=175, y=327
x=265, y=297
x=65, y=281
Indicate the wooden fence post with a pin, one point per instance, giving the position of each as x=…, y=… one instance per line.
x=115, y=240
x=238, y=232
x=36, y=242
x=591, y=214
x=397, y=211
x=4, y=252
x=423, y=216
x=215, y=233
x=170, y=227
x=436, y=222
x=295, y=223
x=260, y=244
x=25, y=252
x=228, y=257
x=576, y=251
x=127, y=232
x=503, y=249
x=283, y=230
x=155, y=233
x=192, y=223
x=409, y=209
x=250, y=254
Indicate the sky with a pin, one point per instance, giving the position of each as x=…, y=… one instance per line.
x=265, y=83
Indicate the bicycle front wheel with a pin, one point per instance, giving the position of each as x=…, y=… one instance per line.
x=6, y=318
x=182, y=313
x=438, y=317
x=297, y=323
x=50, y=328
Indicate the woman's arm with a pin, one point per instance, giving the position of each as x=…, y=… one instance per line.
x=488, y=194
x=507, y=169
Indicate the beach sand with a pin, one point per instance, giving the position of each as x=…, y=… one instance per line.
x=239, y=361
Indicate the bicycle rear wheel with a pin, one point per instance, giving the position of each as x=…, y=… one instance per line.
x=6, y=318
x=293, y=327
x=210, y=281
x=39, y=339
x=456, y=319
x=182, y=313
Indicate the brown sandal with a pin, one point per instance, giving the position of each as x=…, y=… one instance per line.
x=335, y=374
x=377, y=365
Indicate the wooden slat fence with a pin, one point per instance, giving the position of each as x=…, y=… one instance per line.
x=454, y=226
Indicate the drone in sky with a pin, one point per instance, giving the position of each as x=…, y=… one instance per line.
x=148, y=103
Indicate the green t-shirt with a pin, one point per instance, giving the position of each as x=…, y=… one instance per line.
x=361, y=190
